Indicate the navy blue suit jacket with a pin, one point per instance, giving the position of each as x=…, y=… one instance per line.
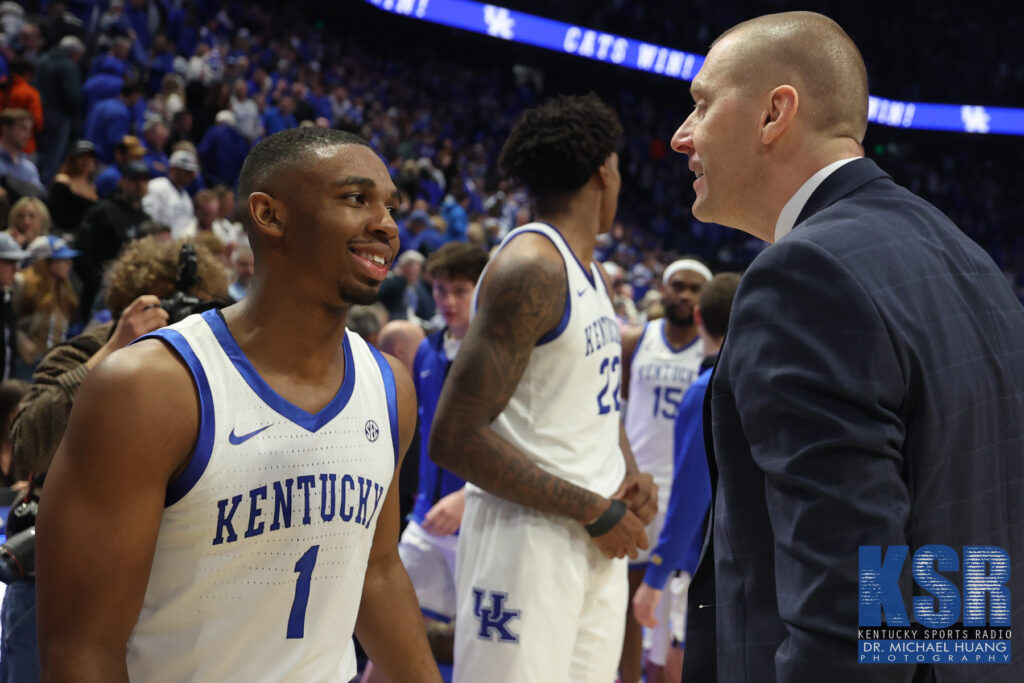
x=870, y=392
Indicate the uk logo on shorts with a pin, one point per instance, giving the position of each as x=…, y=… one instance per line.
x=494, y=620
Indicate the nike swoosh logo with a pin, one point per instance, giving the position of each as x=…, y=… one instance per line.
x=425, y=373
x=581, y=292
x=237, y=440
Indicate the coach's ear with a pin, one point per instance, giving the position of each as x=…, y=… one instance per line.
x=268, y=214
x=780, y=111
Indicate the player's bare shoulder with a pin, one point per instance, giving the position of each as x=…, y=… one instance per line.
x=150, y=390
x=525, y=286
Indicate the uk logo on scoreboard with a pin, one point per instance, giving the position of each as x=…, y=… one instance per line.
x=961, y=610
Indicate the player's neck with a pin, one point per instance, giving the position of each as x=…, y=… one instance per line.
x=298, y=338
x=679, y=335
x=579, y=228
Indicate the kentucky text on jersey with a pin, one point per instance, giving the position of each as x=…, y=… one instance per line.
x=600, y=333
x=667, y=372
x=350, y=499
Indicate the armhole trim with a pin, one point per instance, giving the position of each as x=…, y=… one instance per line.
x=391, y=391
x=179, y=487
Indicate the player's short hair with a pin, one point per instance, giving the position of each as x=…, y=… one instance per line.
x=457, y=260
x=716, y=302
x=286, y=149
x=556, y=148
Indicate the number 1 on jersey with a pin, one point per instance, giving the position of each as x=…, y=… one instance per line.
x=304, y=568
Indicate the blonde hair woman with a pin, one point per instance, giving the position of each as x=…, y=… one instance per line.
x=29, y=218
x=44, y=301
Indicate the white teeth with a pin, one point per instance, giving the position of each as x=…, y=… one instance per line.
x=379, y=260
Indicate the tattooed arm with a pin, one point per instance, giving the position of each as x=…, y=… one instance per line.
x=521, y=298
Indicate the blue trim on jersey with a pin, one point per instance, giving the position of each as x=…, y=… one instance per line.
x=638, y=565
x=308, y=421
x=590, y=275
x=391, y=390
x=436, y=616
x=177, y=489
x=553, y=334
x=664, y=338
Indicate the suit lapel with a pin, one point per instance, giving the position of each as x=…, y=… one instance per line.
x=842, y=182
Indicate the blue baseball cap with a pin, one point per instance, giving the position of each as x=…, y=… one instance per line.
x=51, y=246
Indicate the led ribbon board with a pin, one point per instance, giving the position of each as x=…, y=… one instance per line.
x=520, y=27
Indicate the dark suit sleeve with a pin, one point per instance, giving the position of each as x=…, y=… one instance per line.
x=819, y=388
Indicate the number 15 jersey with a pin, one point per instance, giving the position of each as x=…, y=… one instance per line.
x=264, y=541
x=659, y=376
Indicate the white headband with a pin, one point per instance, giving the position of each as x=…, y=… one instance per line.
x=685, y=264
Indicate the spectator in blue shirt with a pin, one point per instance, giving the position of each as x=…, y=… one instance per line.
x=155, y=135
x=115, y=61
x=281, y=117
x=15, y=132
x=139, y=14
x=111, y=120
x=223, y=150
x=423, y=236
x=162, y=62
x=125, y=152
x=679, y=545
x=453, y=211
x=102, y=85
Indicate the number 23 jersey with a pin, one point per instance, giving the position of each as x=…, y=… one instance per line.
x=263, y=545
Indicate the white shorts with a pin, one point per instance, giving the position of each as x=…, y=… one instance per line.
x=678, y=587
x=430, y=562
x=671, y=615
x=537, y=600
x=657, y=639
x=653, y=531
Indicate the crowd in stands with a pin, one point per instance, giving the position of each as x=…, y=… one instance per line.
x=124, y=118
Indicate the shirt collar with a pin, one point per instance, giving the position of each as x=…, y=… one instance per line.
x=791, y=211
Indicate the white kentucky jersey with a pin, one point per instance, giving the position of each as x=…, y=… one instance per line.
x=263, y=546
x=566, y=411
x=659, y=375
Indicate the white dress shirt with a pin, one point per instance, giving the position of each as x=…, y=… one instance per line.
x=791, y=211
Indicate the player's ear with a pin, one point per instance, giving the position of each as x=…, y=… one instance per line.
x=267, y=214
x=607, y=170
x=780, y=111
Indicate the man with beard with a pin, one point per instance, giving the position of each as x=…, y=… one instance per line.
x=236, y=469
x=659, y=363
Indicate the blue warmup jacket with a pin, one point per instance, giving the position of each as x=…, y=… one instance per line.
x=428, y=372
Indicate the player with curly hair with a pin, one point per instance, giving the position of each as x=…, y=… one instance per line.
x=530, y=417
